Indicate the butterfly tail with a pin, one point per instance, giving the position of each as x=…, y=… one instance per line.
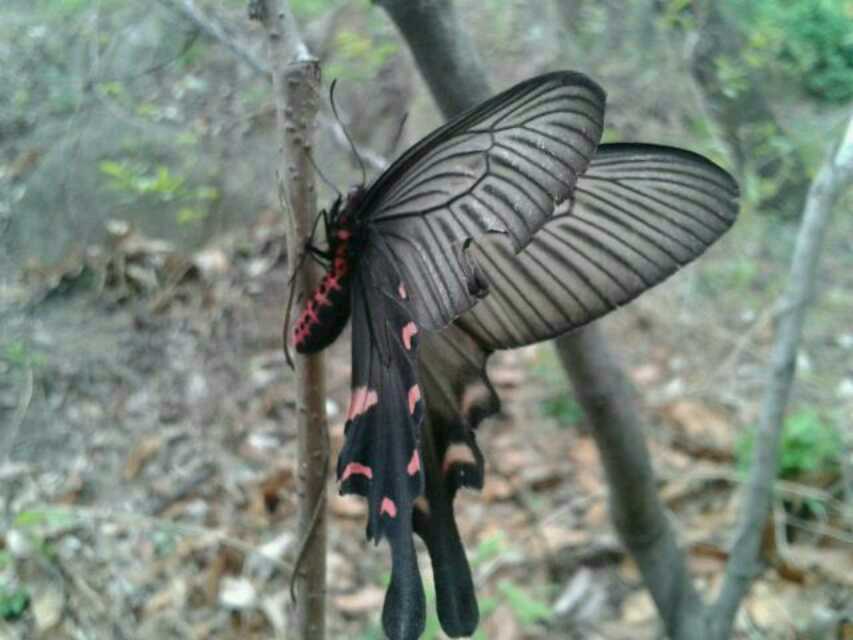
x=434, y=522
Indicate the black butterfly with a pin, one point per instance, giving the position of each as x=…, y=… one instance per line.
x=429, y=239
x=401, y=263
x=639, y=213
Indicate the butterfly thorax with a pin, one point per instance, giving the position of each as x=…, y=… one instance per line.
x=328, y=307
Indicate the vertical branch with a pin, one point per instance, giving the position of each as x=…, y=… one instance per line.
x=296, y=79
x=744, y=564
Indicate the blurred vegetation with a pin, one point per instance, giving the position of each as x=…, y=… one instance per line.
x=810, y=446
x=807, y=42
x=123, y=110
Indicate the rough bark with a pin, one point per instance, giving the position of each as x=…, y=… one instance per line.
x=296, y=80
x=834, y=177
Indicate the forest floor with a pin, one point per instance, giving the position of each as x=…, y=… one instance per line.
x=148, y=446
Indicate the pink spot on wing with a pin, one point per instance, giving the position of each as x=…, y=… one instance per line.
x=356, y=468
x=414, y=463
x=402, y=291
x=408, y=331
x=388, y=507
x=362, y=399
x=414, y=396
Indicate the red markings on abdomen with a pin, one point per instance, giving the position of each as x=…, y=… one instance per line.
x=328, y=308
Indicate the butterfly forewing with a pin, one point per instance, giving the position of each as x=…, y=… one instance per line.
x=500, y=168
x=380, y=459
x=639, y=213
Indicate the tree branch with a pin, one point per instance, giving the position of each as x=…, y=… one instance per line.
x=214, y=28
x=296, y=80
x=444, y=52
x=832, y=180
x=609, y=401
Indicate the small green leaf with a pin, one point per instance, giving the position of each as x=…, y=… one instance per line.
x=188, y=215
x=13, y=603
x=527, y=609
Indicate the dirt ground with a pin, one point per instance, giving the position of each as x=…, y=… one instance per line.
x=148, y=447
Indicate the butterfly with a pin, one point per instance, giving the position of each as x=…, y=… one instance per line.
x=638, y=214
x=419, y=247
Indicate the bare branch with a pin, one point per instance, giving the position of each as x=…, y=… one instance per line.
x=744, y=564
x=296, y=80
x=214, y=28
x=373, y=159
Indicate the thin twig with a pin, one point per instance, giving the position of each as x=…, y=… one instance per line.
x=744, y=562
x=20, y=414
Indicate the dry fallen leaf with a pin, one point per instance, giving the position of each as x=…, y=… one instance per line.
x=47, y=607
x=700, y=430
x=496, y=488
x=348, y=506
x=557, y=537
x=638, y=607
x=367, y=599
x=502, y=625
x=141, y=454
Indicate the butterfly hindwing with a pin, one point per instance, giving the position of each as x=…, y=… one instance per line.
x=458, y=397
x=639, y=213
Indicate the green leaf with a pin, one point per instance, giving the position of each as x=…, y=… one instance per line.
x=27, y=519
x=13, y=603
x=527, y=609
x=188, y=215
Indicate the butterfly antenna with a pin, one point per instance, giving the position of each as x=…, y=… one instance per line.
x=323, y=177
x=346, y=133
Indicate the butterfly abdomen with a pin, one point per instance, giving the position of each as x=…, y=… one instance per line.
x=328, y=308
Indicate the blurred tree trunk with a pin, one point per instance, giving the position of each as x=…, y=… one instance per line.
x=569, y=12
x=738, y=106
